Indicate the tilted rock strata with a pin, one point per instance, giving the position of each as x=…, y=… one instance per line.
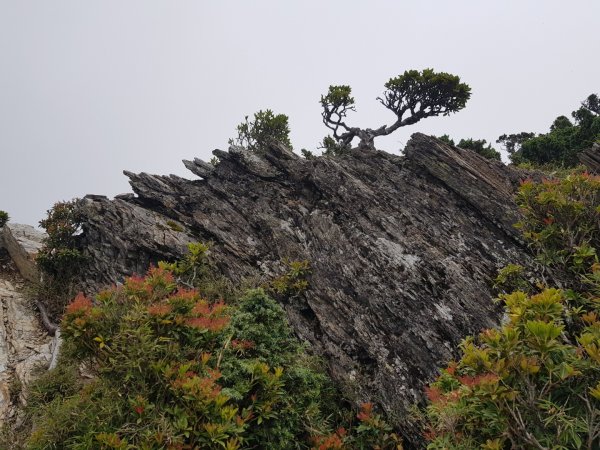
x=402, y=248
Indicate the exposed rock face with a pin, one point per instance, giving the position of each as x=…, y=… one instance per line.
x=24, y=345
x=402, y=249
x=591, y=158
x=23, y=243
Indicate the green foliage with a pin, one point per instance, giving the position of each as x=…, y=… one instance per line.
x=561, y=145
x=512, y=142
x=60, y=259
x=535, y=382
x=173, y=369
x=447, y=139
x=526, y=385
x=512, y=278
x=478, y=146
x=174, y=226
x=560, y=220
x=4, y=218
x=412, y=96
x=307, y=154
x=255, y=135
x=436, y=93
x=294, y=281
x=195, y=271
x=331, y=147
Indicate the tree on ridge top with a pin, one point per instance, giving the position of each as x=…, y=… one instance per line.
x=411, y=96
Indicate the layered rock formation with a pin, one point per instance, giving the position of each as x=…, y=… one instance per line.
x=402, y=249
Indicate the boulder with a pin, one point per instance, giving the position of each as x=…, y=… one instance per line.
x=23, y=243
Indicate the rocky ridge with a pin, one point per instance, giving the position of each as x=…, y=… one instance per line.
x=402, y=249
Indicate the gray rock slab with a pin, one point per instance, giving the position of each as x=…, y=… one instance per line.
x=23, y=242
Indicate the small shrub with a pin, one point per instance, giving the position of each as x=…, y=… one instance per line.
x=512, y=278
x=174, y=226
x=4, y=218
x=294, y=281
x=60, y=260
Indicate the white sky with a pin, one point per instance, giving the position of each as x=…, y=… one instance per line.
x=89, y=88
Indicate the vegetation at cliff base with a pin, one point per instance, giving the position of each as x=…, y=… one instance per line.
x=168, y=367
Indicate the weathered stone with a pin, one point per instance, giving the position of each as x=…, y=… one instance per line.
x=23, y=242
x=591, y=158
x=24, y=346
x=402, y=249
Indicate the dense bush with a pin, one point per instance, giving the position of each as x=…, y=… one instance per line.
x=171, y=369
x=59, y=260
x=4, y=218
x=526, y=385
x=59, y=257
x=561, y=220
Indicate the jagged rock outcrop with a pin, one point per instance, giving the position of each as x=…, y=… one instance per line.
x=402, y=248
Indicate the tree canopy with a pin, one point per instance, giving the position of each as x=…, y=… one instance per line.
x=411, y=96
x=561, y=145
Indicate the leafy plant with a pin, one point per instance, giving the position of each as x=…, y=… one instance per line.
x=561, y=218
x=172, y=369
x=60, y=259
x=512, y=278
x=4, y=218
x=561, y=145
x=293, y=281
x=525, y=385
x=256, y=134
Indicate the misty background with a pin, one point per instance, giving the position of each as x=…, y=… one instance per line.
x=88, y=89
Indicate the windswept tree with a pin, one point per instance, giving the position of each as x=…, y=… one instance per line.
x=411, y=96
x=266, y=126
x=512, y=142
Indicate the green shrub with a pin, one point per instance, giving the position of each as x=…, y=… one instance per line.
x=4, y=218
x=293, y=282
x=172, y=369
x=527, y=385
x=561, y=221
x=60, y=257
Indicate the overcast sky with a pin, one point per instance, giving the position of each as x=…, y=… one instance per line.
x=89, y=88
